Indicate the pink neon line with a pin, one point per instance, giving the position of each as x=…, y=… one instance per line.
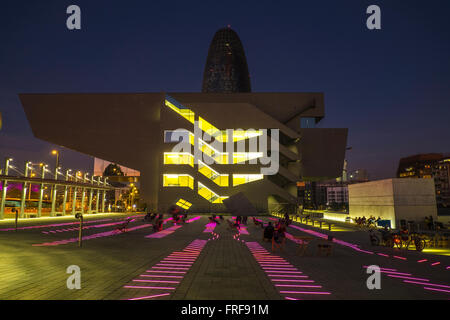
x=410, y=278
x=166, y=271
x=279, y=269
x=273, y=271
x=387, y=269
x=156, y=281
x=423, y=260
x=168, y=268
x=435, y=264
x=289, y=280
x=173, y=265
x=396, y=273
x=290, y=298
x=152, y=288
x=305, y=292
x=298, y=285
x=402, y=258
x=382, y=254
x=151, y=297
x=435, y=289
x=428, y=284
x=160, y=276
x=286, y=276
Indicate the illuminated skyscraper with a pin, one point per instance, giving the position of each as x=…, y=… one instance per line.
x=226, y=67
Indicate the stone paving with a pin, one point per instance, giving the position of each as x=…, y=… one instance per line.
x=225, y=268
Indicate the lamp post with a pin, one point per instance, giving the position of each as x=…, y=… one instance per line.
x=41, y=191
x=56, y=152
x=5, y=182
x=65, y=192
x=24, y=189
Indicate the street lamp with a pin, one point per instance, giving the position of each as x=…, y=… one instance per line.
x=56, y=152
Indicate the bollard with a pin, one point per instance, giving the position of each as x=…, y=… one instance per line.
x=17, y=216
x=80, y=231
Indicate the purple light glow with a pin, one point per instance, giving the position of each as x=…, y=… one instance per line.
x=290, y=280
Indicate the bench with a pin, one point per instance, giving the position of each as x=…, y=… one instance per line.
x=325, y=247
x=123, y=227
x=303, y=242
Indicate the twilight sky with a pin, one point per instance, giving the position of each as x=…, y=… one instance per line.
x=390, y=87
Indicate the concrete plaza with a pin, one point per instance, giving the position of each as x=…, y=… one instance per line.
x=197, y=262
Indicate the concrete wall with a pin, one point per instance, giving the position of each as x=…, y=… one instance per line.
x=393, y=199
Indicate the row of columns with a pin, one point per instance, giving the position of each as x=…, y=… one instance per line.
x=54, y=192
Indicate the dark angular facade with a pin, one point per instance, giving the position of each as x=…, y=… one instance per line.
x=226, y=69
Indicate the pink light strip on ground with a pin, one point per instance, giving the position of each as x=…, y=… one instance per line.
x=409, y=278
x=382, y=254
x=298, y=285
x=150, y=288
x=163, y=233
x=272, y=268
x=173, y=265
x=435, y=264
x=166, y=271
x=210, y=227
x=279, y=269
x=53, y=225
x=92, y=236
x=305, y=292
x=168, y=266
x=193, y=219
x=151, y=297
x=289, y=280
x=273, y=271
x=427, y=284
x=156, y=281
x=423, y=260
x=160, y=276
x=286, y=276
x=401, y=258
x=435, y=289
x=104, y=225
x=290, y=298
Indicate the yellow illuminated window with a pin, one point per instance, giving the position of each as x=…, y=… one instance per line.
x=239, y=157
x=245, y=178
x=181, y=110
x=178, y=180
x=178, y=158
x=184, y=204
x=219, y=179
x=209, y=195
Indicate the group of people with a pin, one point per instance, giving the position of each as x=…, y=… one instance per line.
x=276, y=233
x=156, y=219
x=363, y=222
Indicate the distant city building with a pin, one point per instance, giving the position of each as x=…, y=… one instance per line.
x=359, y=175
x=226, y=67
x=337, y=194
x=430, y=166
